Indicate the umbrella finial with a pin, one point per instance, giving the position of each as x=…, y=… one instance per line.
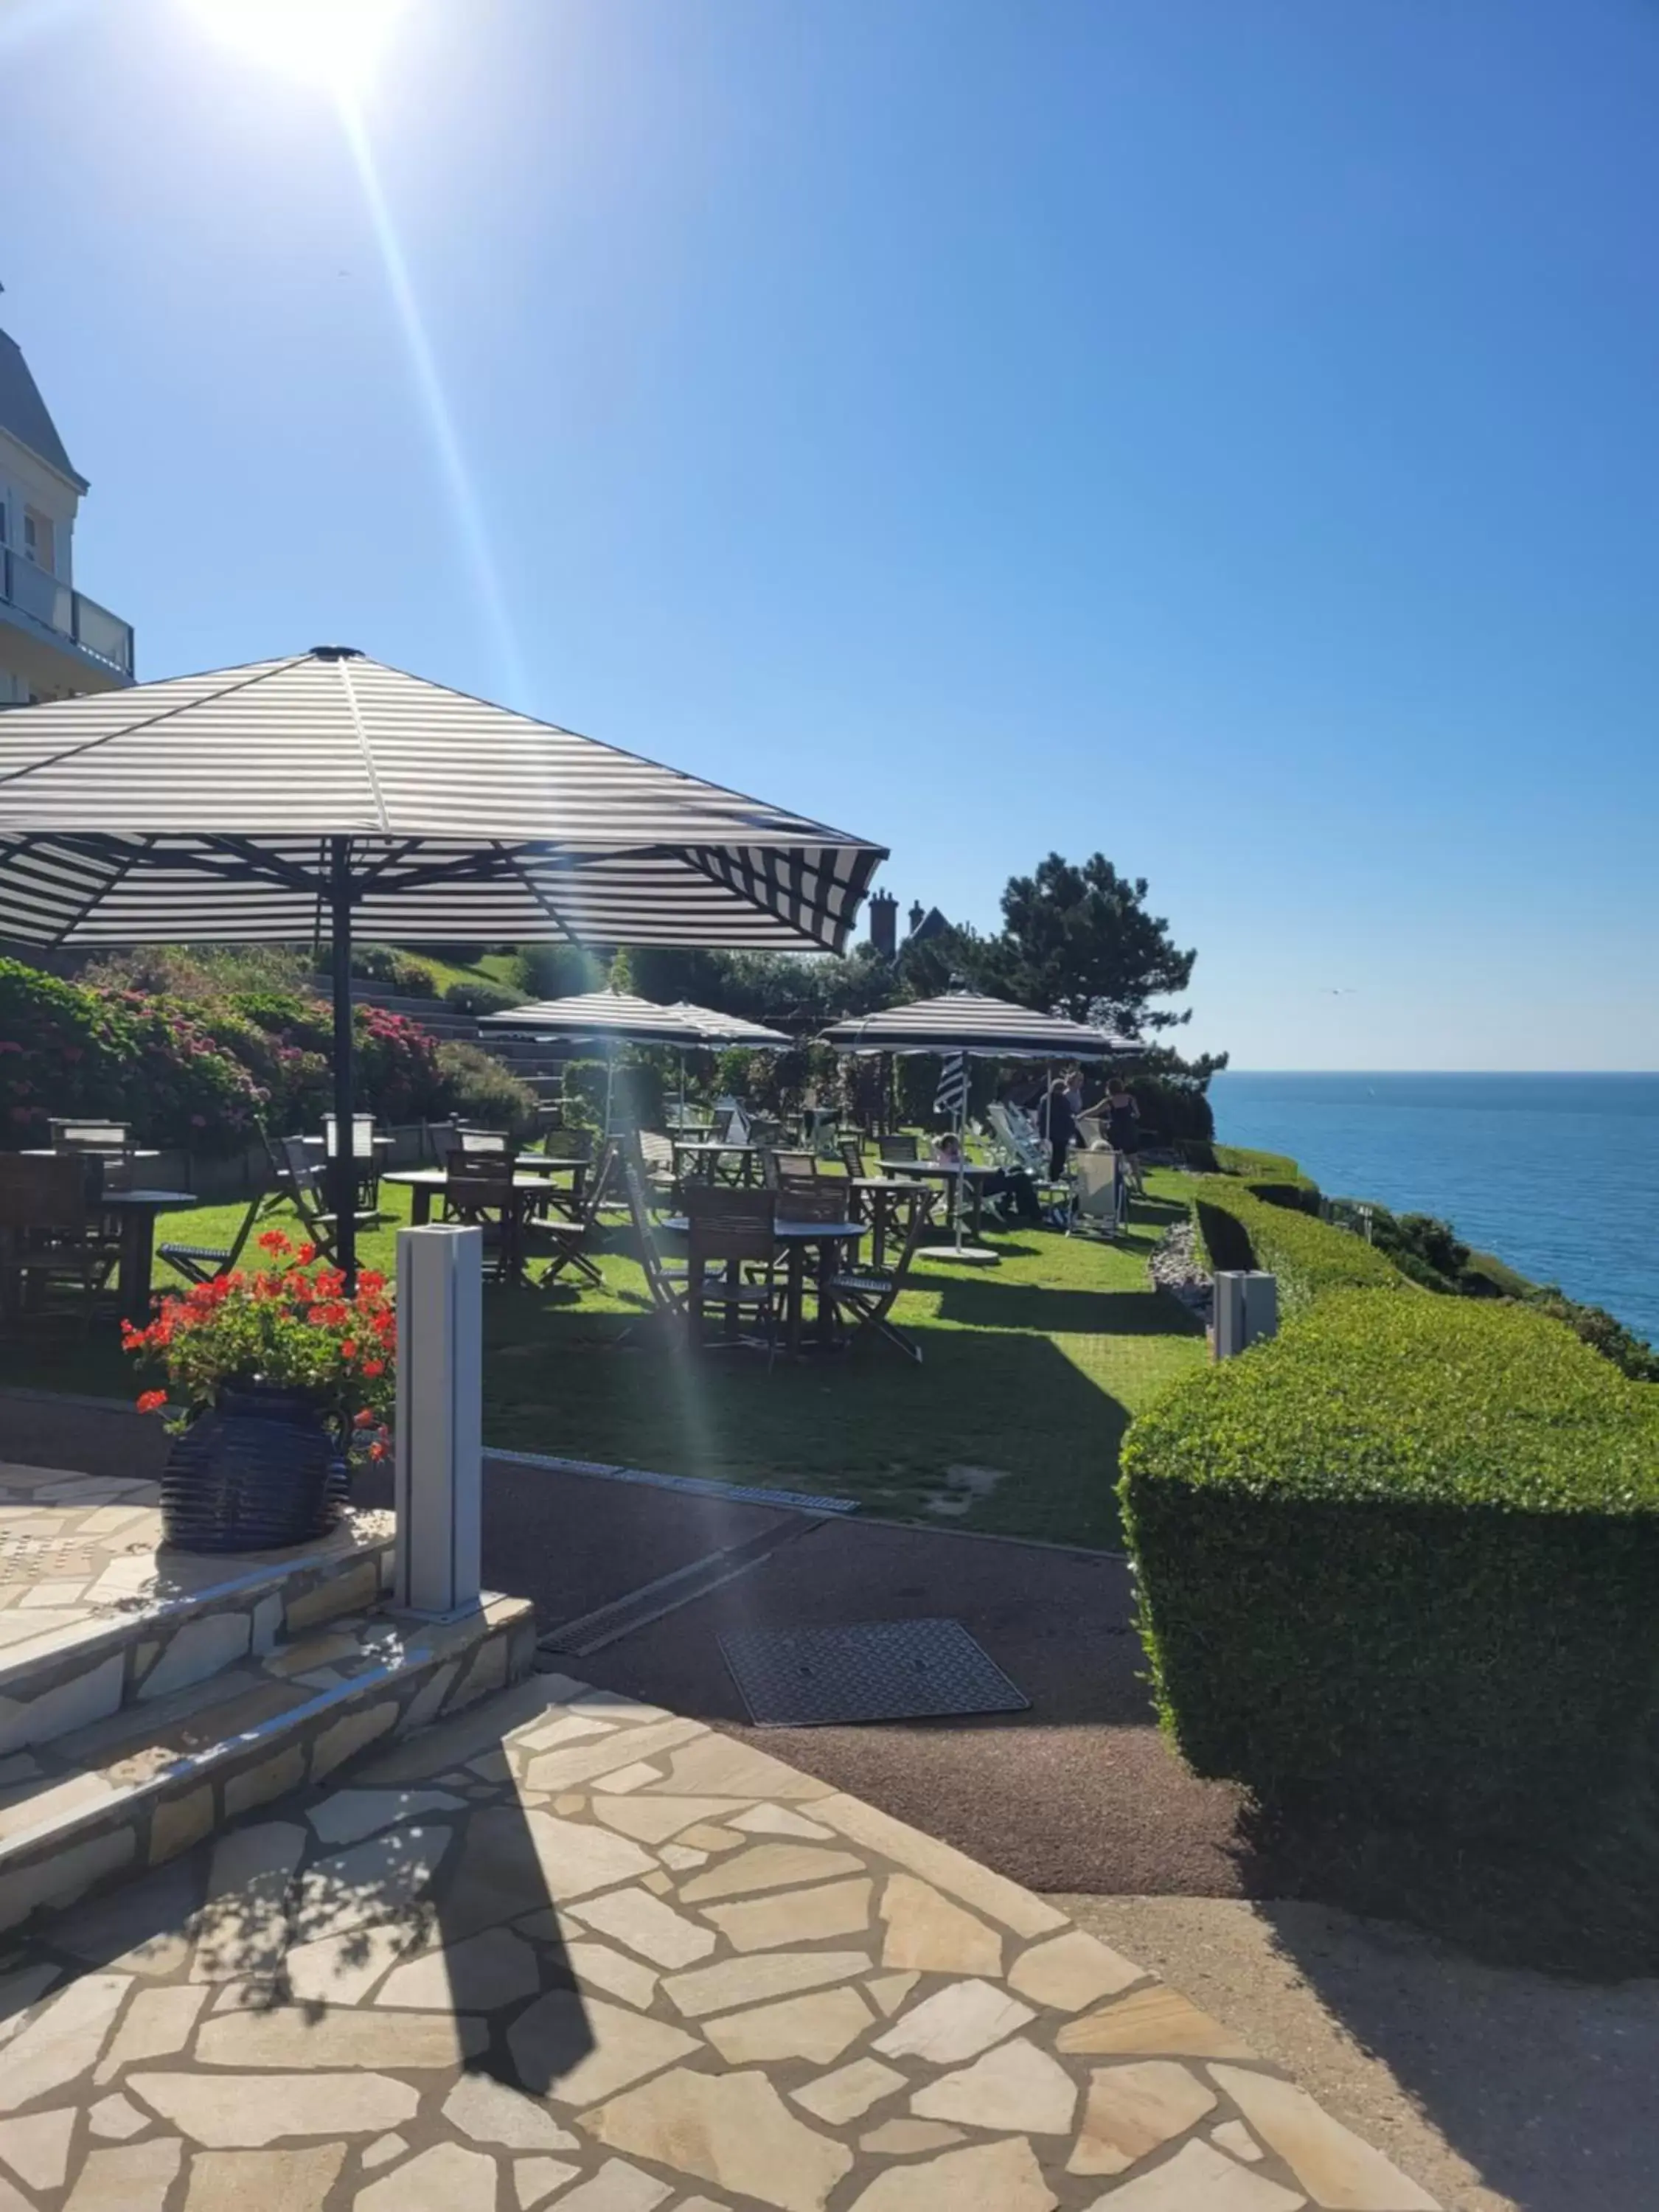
x=337, y=653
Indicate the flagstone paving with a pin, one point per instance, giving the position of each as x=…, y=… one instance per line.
x=575, y=1952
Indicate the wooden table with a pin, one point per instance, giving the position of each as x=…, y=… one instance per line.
x=424, y=1183
x=969, y=1178
x=882, y=1197
x=136, y=1213
x=798, y=1238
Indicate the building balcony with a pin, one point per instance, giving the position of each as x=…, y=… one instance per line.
x=57, y=639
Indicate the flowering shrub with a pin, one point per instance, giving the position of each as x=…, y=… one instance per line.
x=289, y=1324
x=66, y=1049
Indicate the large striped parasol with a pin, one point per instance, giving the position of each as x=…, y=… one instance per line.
x=971, y=1022
x=327, y=790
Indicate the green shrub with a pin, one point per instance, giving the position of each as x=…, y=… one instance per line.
x=395, y=971
x=637, y=1099
x=1594, y=1325
x=481, y=996
x=1239, y=1227
x=481, y=1089
x=1400, y=1562
x=1261, y=1167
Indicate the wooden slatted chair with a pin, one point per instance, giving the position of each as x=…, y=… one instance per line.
x=779, y=1168
x=731, y=1230
x=200, y=1263
x=479, y=1193
x=866, y=1294
x=901, y=1147
x=302, y=1187
x=49, y=1230
x=667, y=1281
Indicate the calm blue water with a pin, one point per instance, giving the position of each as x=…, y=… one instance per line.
x=1557, y=1173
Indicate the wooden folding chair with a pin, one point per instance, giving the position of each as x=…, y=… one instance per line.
x=200, y=1263
x=50, y=1229
x=778, y=1167
x=867, y=1293
x=479, y=1193
x=732, y=1230
x=302, y=1187
x=666, y=1281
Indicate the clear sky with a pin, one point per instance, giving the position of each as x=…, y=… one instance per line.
x=1218, y=432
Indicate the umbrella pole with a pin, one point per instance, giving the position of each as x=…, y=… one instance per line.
x=343, y=1166
x=962, y=1153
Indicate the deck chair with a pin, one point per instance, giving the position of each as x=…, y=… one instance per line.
x=866, y=1294
x=1100, y=1193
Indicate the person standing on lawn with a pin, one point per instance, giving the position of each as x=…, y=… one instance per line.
x=1124, y=1128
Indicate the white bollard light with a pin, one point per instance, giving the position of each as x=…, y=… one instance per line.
x=439, y=1485
x=1246, y=1309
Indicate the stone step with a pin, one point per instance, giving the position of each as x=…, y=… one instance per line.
x=96, y=1614
x=87, y=1809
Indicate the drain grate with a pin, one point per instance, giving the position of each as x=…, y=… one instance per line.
x=882, y=1670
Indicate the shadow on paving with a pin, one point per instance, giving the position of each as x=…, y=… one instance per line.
x=294, y=1914
x=1078, y=1792
x=1543, y=2084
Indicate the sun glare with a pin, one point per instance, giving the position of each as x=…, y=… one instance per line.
x=329, y=42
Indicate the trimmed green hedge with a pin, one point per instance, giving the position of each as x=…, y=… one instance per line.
x=1240, y=1226
x=1400, y=1561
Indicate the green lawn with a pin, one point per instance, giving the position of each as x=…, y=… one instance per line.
x=1031, y=1371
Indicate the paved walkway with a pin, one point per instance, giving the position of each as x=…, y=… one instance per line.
x=575, y=1951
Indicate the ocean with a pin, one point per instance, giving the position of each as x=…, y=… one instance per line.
x=1557, y=1173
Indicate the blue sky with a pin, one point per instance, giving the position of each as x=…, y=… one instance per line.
x=1218, y=432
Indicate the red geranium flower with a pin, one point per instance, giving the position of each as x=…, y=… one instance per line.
x=151, y=1401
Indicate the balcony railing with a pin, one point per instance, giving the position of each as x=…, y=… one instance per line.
x=70, y=612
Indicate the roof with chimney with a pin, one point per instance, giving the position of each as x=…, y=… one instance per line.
x=24, y=415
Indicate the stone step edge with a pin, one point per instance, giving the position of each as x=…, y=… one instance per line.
x=95, y=1846
x=310, y=1589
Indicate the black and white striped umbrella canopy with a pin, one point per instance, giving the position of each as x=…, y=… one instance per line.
x=621, y=1016
x=968, y=1021
x=716, y=1028
x=217, y=806
x=596, y=1016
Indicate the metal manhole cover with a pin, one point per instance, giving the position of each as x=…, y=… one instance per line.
x=882, y=1670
